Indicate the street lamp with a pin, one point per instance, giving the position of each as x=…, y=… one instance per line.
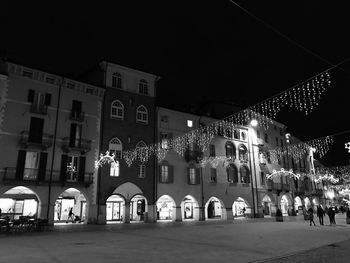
x=253, y=123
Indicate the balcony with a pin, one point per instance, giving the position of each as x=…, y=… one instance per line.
x=77, y=116
x=26, y=141
x=193, y=155
x=38, y=108
x=78, y=145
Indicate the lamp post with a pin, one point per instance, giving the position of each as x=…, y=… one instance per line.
x=253, y=123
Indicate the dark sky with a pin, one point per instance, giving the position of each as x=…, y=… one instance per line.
x=201, y=49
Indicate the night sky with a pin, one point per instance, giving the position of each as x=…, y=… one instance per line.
x=201, y=49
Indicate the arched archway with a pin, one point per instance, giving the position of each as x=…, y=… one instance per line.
x=166, y=208
x=189, y=208
x=138, y=208
x=239, y=207
x=307, y=203
x=71, y=199
x=298, y=205
x=20, y=201
x=215, y=209
x=115, y=209
x=266, y=204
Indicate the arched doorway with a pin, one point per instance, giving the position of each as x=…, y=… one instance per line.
x=266, y=204
x=20, y=201
x=115, y=207
x=214, y=209
x=284, y=205
x=298, y=205
x=307, y=203
x=239, y=207
x=166, y=208
x=189, y=208
x=73, y=199
x=138, y=208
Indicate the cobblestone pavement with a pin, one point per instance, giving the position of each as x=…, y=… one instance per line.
x=257, y=240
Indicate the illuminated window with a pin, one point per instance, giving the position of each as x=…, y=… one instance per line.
x=117, y=110
x=116, y=147
x=114, y=170
x=142, y=114
x=189, y=123
x=141, y=171
x=164, y=173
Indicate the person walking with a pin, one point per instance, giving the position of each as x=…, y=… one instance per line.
x=320, y=214
x=70, y=215
x=333, y=215
x=311, y=216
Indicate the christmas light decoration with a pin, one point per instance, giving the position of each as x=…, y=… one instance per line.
x=302, y=97
x=106, y=159
x=347, y=146
x=281, y=173
x=326, y=177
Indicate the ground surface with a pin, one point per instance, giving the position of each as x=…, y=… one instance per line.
x=258, y=240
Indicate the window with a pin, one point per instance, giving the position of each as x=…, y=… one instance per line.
x=281, y=142
x=236, y=134
x=70, y=85
x=75, y=135
x=164, y=122
x=212, y=150
x=143, y=87
x=275, y=127
x=258, y=134
x=142, y=114
x=230, y=150
x=277, y=141
x=232, y=175
x=266, y=138
x=268, y=157
x=39, y=101
x=281, y=131
x=213, y=176
x=141, y=151
x=72, y=168
x=27, y=74
x=114, y=170
x=116, y=147
x=141, y=171
x=189, y=123
x=31, y=166
x=117, y=110
x=36, y=130
x=243, y=136
x=50, y=80
x=245, y=178
x=117, y=80
x=166, y=173
x=243, y=153
x=192, y=175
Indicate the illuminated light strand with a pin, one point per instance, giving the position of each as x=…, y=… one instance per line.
x=347, y=146
x=282, y=172
x=302, y=97
x=105, y=159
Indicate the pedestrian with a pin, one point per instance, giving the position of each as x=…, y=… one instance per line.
x=70, y=215
x=320, y=214
x=333, y=215
x=311, y=216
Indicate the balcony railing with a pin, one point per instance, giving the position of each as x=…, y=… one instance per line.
x=77, y=116
x=26, y=141
x=8, y=174
x=38, y=108
x=79, y=145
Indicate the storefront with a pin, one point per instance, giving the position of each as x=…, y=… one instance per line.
x=213, y=209
x=165, y=208
x=266, y=204
x=115, y=207
x=284, y=205
x=67, y=200
x=189, y=208
x=239, y=207
x=138, y=208
x=19, y=201
x=298, y=205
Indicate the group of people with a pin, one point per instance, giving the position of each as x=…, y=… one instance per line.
x=321, y=213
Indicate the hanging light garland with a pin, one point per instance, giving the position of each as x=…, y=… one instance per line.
x=303, y=97
x=347, y=146
x=105, y=159
x=282, y=172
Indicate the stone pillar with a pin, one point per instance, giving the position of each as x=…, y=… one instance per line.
x=260, y=212
x=229, y=214
x=273, y=209
x=43, y=213
x=91, y=214
x=249, y=212
x=201, y=213
x=127, y=212
x=102, y=215
x=151, y=214
x=178, y=214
